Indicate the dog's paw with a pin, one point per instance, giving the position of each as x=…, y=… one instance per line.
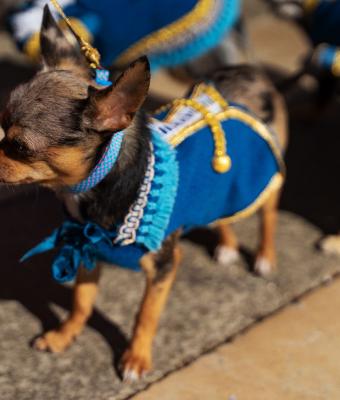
x=331, y=245
x=53, y=341
x=135, y=365
x=264, y=267
x=226, y=256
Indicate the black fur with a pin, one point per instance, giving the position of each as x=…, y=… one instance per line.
x=110, y=200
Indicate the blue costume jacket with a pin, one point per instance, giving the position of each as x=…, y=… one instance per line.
x=325, y=23
x=181, y=188
x=170, y=32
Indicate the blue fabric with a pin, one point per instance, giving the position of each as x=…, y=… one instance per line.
x=325, y=23
x=84, y=244
x=326, y=56
x=117, y=25
x=124, y=22
x=200, y=43
x=204, y=195
x=103, y=77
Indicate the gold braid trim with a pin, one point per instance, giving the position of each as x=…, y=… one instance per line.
x=197, y=91
x=221, y=161
x=232, y=112
x=214, y=121
x=274, y=184
x=336, y=64
x=143, y=46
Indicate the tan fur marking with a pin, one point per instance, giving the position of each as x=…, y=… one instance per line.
x=84, y=295
x=14, y=131
x=13, y=171
x=138, y=357
x=70, y=160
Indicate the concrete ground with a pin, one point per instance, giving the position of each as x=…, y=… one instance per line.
x=294, y=355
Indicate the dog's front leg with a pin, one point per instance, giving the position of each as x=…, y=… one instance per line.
x=84, y=295
x=160, y=270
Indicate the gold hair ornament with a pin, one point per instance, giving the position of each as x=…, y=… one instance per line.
x=92, y=54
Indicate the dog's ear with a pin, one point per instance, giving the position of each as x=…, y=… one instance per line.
x=115, y=106
x=56, y=50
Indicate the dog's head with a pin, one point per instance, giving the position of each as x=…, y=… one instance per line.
x=56, y=124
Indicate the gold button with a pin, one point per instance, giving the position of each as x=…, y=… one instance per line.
x=221, y=164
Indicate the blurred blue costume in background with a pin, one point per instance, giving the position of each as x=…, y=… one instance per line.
x=170, y=32
x=323, y=18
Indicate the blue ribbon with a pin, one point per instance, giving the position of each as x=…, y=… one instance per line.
x=80, y=244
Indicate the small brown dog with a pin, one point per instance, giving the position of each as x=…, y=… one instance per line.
x=59, y=126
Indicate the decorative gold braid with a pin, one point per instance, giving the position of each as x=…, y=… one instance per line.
x=92, y=54
x=167, y=34
x=233, y=112
x=221, y=161
x=336, y=64
x=214, y=94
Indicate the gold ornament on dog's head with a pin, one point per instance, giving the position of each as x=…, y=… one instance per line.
x=92, y=55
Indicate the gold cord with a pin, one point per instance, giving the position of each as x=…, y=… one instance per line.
x=92, y=54
x=221, y=161
x=336, y=64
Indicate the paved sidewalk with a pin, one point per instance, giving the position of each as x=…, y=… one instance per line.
x=293, y=355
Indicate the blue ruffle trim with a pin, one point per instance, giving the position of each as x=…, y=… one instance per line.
x=203, y=42
x=162, y=196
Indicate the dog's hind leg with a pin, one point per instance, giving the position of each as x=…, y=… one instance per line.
x=160, y=270
x=265, y=262
x=85, y=291
x=226, y=252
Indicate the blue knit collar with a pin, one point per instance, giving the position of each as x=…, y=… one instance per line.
x=111, y=152
x=103, y=167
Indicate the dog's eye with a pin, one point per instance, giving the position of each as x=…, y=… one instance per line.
x=20, y=147
x=16, y=148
